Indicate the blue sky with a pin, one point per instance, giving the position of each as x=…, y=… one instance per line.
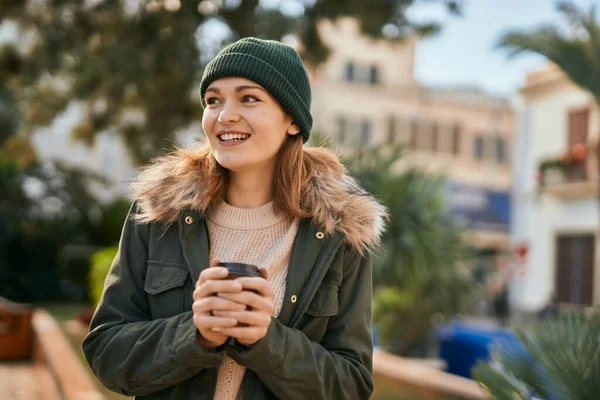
x=463, y=54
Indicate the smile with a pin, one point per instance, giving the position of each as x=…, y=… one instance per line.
x=233, y=137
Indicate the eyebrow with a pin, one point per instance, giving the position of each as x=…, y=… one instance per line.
x=237, y=89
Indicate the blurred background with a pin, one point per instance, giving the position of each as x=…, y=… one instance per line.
x=475, y=122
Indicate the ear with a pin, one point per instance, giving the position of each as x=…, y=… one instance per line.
x=293, y=129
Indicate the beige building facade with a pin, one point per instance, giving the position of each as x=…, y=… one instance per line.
x=366, y=94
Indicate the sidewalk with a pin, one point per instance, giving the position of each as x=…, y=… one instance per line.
x=26, y=380
x=54, y=372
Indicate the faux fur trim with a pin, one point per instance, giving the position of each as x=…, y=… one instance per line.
x=334, y=199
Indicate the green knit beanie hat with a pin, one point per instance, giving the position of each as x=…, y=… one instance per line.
x=273, y=65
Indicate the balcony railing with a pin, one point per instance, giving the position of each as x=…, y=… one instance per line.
x=572, y=175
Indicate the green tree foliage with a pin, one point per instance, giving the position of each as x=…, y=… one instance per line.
x=558, y=358
x=134, y=66
x=576, y=50
x=43, y=208
x=422, y=271
x=105, y=230
x=9, y=114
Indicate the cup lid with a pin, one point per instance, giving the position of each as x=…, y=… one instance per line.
x=242, y=269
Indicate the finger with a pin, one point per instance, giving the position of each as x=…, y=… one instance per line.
x=210, y=288
x=212, y=303
x=210, y=322
x=215, y=262
x=264, y=272
x=212, y=273
x=251, y=299
x=258, y=284
x=252, y=318
x=249, y=334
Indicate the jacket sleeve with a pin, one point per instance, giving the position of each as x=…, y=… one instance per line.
x=340, y=367
x=127, y=351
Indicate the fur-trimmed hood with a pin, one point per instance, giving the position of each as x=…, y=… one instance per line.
x=334, y=199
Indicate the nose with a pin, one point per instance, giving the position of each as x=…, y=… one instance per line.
x=228, y=114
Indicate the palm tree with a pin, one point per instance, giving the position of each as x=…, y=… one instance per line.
x=576, y=52
x=557, y=359
x=423, y=273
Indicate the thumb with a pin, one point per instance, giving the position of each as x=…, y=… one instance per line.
x=264, y=272
x=215, y=262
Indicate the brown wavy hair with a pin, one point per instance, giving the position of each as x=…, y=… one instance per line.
x=295, y=168
x=308, y=182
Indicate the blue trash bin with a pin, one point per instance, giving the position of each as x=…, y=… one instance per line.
x=462, y=345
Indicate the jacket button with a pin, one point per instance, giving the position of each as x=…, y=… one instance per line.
x=189, y=220
x=320, y=235
x=294, y=298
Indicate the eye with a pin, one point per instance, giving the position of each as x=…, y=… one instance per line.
x=212, y=100
x=249, y=99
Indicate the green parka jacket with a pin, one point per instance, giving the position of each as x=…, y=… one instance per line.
x=142, y=340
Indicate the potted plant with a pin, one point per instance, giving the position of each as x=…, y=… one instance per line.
x=554, y=170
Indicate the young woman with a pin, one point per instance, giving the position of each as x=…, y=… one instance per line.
x=168, y=324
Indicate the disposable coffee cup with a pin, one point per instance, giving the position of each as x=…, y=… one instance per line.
x=239, y=270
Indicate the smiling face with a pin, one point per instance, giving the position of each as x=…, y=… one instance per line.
x=244, y=124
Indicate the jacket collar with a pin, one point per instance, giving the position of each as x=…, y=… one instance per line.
x=336, y=203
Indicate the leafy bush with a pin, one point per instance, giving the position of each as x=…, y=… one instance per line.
x=43, y=207
x=556, y=359
x=101, y=263
x=50, y=221
x=74, y=266
x=107, y=229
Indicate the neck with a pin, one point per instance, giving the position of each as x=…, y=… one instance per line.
x=249, y=189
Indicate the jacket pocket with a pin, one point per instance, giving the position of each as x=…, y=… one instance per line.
x=164, y=285
x=325, y=302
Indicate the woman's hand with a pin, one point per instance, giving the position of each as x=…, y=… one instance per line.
x=206, y=305
x=258, y=296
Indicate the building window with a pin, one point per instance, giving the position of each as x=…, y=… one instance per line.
x=478, y=148
x=402, y=130
x=392, y=129
x=350, y=71
x=501, y=150
x=365, y=133
x=578, y=127
x=373, y=75
x=456, y=139
x=579, y=121
x=414, y=134
x=434, y=136
x=341, y=130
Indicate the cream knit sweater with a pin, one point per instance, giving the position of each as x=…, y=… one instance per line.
x=256, y=236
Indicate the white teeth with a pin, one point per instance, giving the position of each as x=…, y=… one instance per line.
x=233, y=136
